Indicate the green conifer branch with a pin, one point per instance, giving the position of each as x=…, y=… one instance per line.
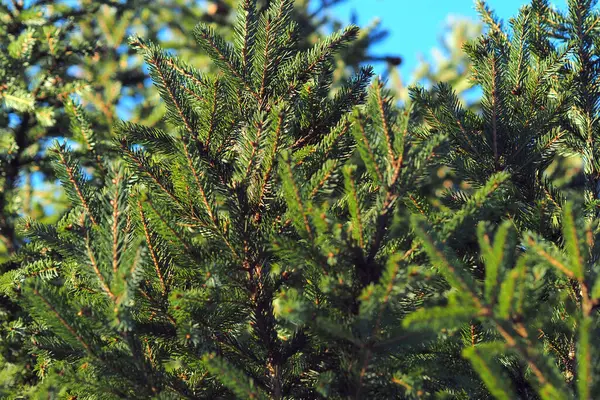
x=268, y=161
x=64, y=322
x=223, y=54
x=153, y=255
x=356, y=223
x=94, y=264
x=75, y=180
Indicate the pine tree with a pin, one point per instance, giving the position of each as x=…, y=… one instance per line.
x=55, y=53
x=62, y=65
x=80, y=77
x=520, y=128
x=230, y=249
x=79, y=51
x=524, y=291
x=533, y=318
x=281, y=236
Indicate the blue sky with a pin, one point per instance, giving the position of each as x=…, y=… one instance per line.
x=415, y=25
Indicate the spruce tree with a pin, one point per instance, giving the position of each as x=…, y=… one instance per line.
x=280, y=236
x=523, y=288
x=80, y=76
x=243, y=250
x=59, y=56
x=62, y=65
x=54, y=57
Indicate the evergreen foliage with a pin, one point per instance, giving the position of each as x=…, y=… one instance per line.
x=530, y=313
x=63, y=71
x=282, y=236
x=66, y=72
x=197, y=269
x=54, y=54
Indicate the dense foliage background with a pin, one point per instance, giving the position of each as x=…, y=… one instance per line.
x=252, y=214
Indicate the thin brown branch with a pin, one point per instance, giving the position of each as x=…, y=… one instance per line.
x=213, y=115
x=268, y=172
x=64, y=322
x=494, y=113
x=361, y=128
x=76, y=186
x=384, y=122
x=90, y=253
x=151, y=249
x=115, y=229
